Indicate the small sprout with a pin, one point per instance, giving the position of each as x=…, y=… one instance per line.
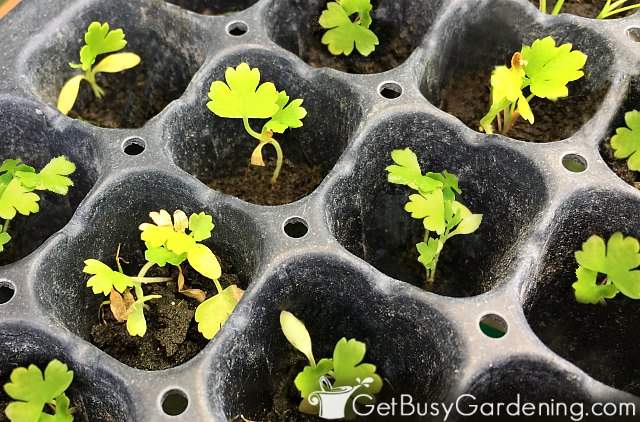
x=435, y=204
x=242, y=97
x=541, y=70
x=345, y=369
x=347, y=23
x=37, y=395
x=98, y=40
x=610, y=7
x=626, y=141
x=169, y=240
x=18, y=183
x=605, y=270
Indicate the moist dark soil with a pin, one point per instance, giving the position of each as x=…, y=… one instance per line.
x=254, y=185
x=129, y=100
x=286, y=397
x=584, y=8
x=468, y=98
x=618, y=166
x=392, y=51
x=172, y=336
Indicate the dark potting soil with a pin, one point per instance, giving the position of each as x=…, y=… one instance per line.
x=392, y=51
x=618, y=166
x=254, y=185
x=129, y=100
x=584, y=8
x=172, y=336
x=468, y=98
x=286, y=397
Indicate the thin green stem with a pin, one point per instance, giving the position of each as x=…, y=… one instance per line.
x=150, y=280
x=218, y=285
x=543, y=6
x=137, y=286
x=90, y=77
x=279, y=161
x=250, y=131
x=5, y=226
x=604, y=14
x=557, y=7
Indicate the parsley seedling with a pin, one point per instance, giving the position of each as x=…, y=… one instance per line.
x=40, y=397
x=18, y=183
x=541, y=70
x=606, y=270
x=347, y=23
x=610, y=7
x=98, y=40
x=626, y=141
x=435, y=204
x=241, y=98
x=344, y=369
x=168, y=241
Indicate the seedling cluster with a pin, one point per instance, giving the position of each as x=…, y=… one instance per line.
x=243, y=97
x=40, y=397
x=19, y=183
x=609, y=9
x=345, y=368
x=541, y=70
x=604, y=270
x=443, y=217
x=347, y=23
x=168, y=241
x=626, y=141
x=99, y=39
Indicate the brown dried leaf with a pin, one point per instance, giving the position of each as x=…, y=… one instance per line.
x=196, y=294
x=119, y=308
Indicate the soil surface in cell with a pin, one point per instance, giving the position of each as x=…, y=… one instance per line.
x=468, y=98
x=619, y=166
x=130, y=100
x=172, y=336
x=254, y=185
x=584, y=8
x=394, y=48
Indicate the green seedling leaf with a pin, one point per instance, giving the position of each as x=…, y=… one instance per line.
x=549, y=68
x=348, y=368
x=617, y=262
x=507, y=83
x=99, y=39
x=406, y=170
x=241, y=97
x=53, y=177
x=287, y=116
x=296, y=333
x=308, y=380
x=16, y=198
x=204, y=261
x=201, y=225
x=32, y=391
x=115, y=63
x=626, y=141
x=162, y=256
x=136, y=322
x=428, y=252
x=430, y=209
x=69, y=94
x=213, y=312
x=4, y=239
x=105, y=279
x=342, y=33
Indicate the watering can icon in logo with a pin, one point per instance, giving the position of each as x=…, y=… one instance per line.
x=332, y=401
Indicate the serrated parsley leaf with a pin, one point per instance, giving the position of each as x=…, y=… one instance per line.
x=99, y=39
x=213, y=312
x=53, y=177
x=626, y=141
x=343, y=34
x=287, y=116
x=348, y=368
x=104, y=279
x=16, y=198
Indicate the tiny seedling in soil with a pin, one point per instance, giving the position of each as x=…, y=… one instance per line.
x=243, y=97
x=435, y=204
x=609, y=9
x=347, y=23
x=541, y=70
x=167, y=242
x=626, y=141
x=345, y=369
x=604, y=270
x=98, y=40
x=40, y=397
x=19, y=183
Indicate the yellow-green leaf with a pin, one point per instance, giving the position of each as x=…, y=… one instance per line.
x=297, y=334
x=213, y=312
x=204, y=261
x=114, y=63
x=69, y=94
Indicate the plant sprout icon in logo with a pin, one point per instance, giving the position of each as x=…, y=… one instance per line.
x=332, y=401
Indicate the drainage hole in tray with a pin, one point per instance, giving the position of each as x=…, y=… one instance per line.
x=493, y=326
x=633, y=33
x=7, y=290
x=574, y=163
x=390, y=90
x=237, y=29
x=295, y=227
x=174, y=402
x=133, y=146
